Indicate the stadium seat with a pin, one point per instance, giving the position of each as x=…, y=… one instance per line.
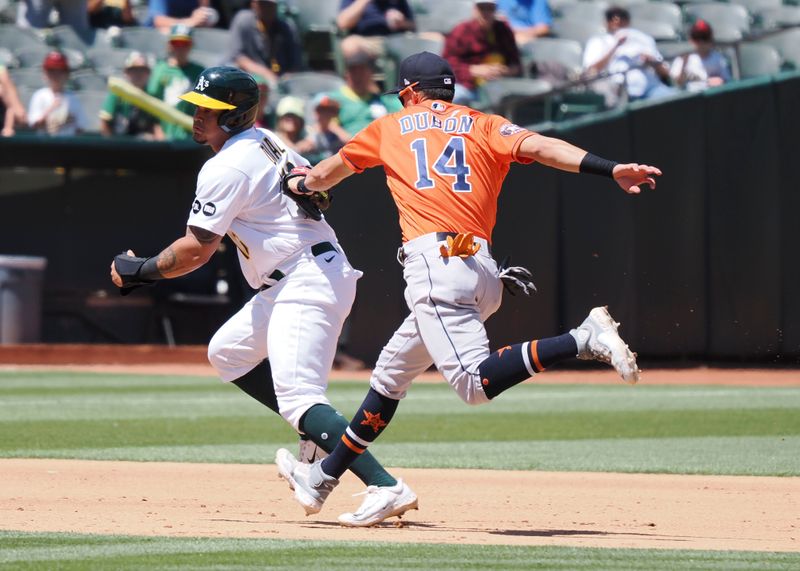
x=92, y=102
x=578, y=31
x=589, y=12
x=755, y=6
x=212, y=40
x=7, y=58
x=757, y=60
x=65, y=37
x=316, y=16
x=524, y=101
x=13, y=37
x=308, y=83
x=656, y=12
x=8, y=11
x=671, y=50
x=659, y=31
x=725, y=19
x=400, y=46
x=558, y=51
x=88, y=80
x=780, y=17
x=108, y=60
x=206, y=58
x=28, y=77
x=316, y=22
x=441, y=16
x=143, y=39
x=788, y=45
x=32, y=56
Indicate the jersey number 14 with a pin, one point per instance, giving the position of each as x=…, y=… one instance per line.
x=451, y=162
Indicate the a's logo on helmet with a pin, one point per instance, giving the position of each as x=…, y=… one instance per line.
x=202, y=83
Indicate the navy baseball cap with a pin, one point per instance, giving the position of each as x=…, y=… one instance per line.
x=424, y=70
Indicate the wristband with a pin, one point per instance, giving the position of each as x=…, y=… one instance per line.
x=592, y=164
x=149, y=270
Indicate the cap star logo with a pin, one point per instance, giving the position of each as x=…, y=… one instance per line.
x=406, y=82
x=373, y=420
x=202, y=83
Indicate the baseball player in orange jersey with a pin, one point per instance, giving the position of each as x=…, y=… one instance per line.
x=445, y=166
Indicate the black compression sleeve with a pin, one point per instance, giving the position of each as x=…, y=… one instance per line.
x=592, y=164
x=149, y=270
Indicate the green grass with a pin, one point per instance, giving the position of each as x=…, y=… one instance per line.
x=82, y=552
x=671, y=429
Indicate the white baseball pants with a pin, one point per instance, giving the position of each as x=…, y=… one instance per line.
x=449, y=299
x=296, y=324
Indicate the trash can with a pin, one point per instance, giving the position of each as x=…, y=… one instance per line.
x=21, y=280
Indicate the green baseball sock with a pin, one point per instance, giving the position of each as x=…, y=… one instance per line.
x=325, y=426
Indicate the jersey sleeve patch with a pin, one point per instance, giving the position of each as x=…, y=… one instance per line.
x=508, y=129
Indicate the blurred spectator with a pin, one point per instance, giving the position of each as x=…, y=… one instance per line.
x=704, y=68
x=290, y=124
x=54, y=109
x=174, y=76
x=74, y=13
x=119, y=117
x=480, y=50
x=12, y=110
x=360, y=99
x=367, y=21
x=326, y=134
x=631, y=55
x=529, y=19
x=263, y=43
x=107, y=13
x=265, y=118
x=163, y=14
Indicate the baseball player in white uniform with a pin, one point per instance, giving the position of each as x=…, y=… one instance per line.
x=279, y=347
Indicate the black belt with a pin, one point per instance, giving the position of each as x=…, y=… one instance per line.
x=316, y=250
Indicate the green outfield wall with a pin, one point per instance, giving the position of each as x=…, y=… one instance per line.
x=703, y=268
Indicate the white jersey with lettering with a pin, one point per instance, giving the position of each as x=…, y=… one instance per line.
x=306, y=284
x=239, y=193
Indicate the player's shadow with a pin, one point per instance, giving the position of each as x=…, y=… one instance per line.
x=561, y=532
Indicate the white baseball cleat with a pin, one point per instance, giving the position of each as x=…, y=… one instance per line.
x=310, y=484
x=380, y=504
x=310, y=452
x=598, y=340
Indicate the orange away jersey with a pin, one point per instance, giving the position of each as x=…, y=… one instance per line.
x=444, y=163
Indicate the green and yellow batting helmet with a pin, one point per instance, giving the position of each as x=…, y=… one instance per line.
x=230, y=90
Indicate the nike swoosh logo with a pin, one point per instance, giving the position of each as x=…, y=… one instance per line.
x=329, y=259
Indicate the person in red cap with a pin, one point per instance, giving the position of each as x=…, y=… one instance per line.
x=705, y=67
x=54, y=109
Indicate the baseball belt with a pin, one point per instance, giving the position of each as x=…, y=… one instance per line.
x=316, y=250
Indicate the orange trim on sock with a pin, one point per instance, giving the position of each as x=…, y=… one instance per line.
x=535, y=356
x=351, y=446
